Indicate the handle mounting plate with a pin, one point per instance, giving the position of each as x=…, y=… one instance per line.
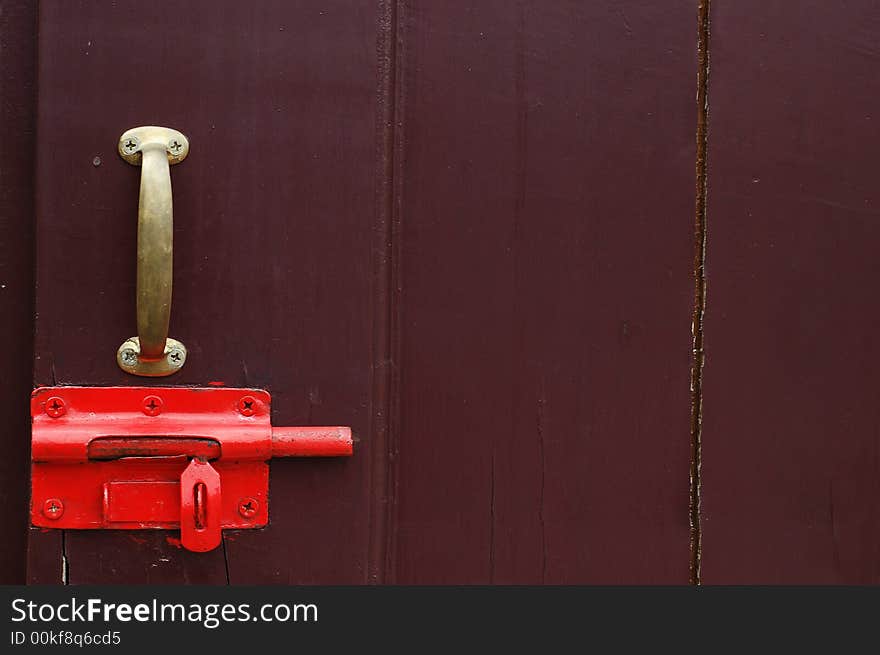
x=129, y=358
x=134, y=141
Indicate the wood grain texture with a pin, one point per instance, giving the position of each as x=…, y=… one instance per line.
x=17, y=146
x=546, y=231
x=273, y=236
x=791, y=473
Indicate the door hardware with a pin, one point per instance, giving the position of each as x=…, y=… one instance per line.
x=199, y=464
x=152, y=353
x=187, y=458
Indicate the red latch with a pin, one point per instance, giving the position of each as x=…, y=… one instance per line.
x=165, y=458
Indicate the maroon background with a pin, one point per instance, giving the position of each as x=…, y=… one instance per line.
x=474, y=248
x=544, y=287
x=791, y=472
x=467, y=230
x=17, y=142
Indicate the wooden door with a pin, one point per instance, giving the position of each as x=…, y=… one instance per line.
x=791, y=472
x=466, y=229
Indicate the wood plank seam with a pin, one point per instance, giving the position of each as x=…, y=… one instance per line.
x=396, y=287
x=699, y=282
x=65, y=563
x=385, y=281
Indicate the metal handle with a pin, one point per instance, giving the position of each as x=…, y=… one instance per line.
x=152, y=352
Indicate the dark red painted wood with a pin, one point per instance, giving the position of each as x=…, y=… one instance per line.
x=273, y=242
x=138, y=557
x=545, y=215
x=17, y=140
x=45, y=557
x=791, y=474
x=464, y=229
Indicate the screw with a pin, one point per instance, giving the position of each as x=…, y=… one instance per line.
x=55, y=407
x=96, y=162
x=247, y=406
x=130, y=144
x=129, y=357
x=176, y=357
x=53, y=508
x=175, y=146
x=248, y=507
x=152, y=405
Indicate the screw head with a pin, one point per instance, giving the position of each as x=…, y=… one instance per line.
x=130, y=144
x=53, y=508
x=152, y=405
x=247, y=406
x=176, y=357
x=55, y=407
x=129, y=357
x=248, y=507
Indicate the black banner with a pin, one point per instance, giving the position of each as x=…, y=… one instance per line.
x=556, y=619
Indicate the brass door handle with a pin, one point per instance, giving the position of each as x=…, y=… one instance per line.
x=152, y=352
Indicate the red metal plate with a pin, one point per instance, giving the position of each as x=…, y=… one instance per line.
x=170, y=457
x=80, y=490
x=70, y=490
x=124, y=502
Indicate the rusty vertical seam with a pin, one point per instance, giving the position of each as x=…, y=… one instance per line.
x=699, y=289
x=384, y=386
